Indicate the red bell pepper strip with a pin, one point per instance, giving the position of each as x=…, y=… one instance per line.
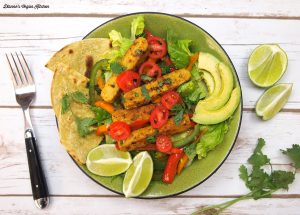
x=171, y=167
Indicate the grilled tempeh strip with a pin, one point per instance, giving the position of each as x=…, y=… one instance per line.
x=130, y=116
x=136, y=54
x=143, y=95
x=138, y=137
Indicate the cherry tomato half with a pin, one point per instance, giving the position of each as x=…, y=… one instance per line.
x=164, y=143
x=169, y=99
x=150, y=69
x=148, y=34
x=119, y=130
x=159, y=116
x=158, y=47
x=138, y=124
x=128, y=80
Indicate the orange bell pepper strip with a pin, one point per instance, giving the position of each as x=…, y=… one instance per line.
x=182, y=163
x=100, y=83
x=102, y=129
x=106, y=106
x=193, y=59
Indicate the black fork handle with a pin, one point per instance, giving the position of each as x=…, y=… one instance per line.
x=37, y=177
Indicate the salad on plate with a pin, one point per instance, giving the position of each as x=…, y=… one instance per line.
x=145, y=106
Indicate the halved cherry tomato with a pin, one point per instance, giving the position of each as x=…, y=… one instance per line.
x=128, y=80
x=169, y=99
x=150, y=69
x=138, y=124
x=159, y=116
x=163, y=143
x=158, y=47
x=119, y=130
x=148, y=34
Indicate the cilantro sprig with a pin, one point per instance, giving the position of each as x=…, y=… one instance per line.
x=76, y=96
x=260, y=182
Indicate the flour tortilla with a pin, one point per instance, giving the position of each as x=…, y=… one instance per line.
x=66, y=81
x=81, y=55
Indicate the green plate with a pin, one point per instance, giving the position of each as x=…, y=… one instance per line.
x=200, y=170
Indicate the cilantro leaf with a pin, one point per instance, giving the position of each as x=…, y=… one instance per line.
x=101, y=115
x=116, y=68
x=145, y=93
x=281, y=179
x=83, y=125
x=65, y=103
x=258, y=159
x=243, y=173
x=178, y=111
x=146, y=78
x=79, y=97
x=165, y=68
x=294, y=154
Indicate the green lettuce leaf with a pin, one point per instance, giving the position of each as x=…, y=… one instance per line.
x=213, y=137
x=178, y=50
x=121, y=43
x=137, y=27
x=194, y=90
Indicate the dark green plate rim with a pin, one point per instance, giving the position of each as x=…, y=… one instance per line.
x=241, y=104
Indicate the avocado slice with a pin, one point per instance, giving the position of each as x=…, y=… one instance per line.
x=210, y=63
x=208, y=117
x=218, y=101
x=209, y=81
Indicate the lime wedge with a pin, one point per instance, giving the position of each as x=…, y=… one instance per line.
x=267, y=64
x=106, y=160
x=272, y=100
x=138, y=176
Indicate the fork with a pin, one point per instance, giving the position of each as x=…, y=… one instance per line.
x=25, y=92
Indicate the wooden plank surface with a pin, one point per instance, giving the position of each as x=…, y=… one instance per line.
x=238, y=26
x=38, y=41
x=65, y=178
x=223, y=8
x=90, y=205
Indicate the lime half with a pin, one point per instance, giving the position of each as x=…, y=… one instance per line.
x=138, y=176
x=267, y=64
x=272, y=100
x=106, y=160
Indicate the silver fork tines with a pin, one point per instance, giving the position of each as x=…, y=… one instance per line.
x=22, y=79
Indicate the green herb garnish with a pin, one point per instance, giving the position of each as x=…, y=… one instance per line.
x=101, y=115
x=145, y=93
x=84, y=125
x=65, y=103
x=76, y=96
x=146, y=78
x=261, y=183
x=79, y=97
x=116, y=68
x=178, y=111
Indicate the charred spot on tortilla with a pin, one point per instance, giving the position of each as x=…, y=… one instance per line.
x=71, y=51
x=89, y=61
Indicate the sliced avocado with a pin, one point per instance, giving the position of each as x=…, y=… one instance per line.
x=208, y=117
x=210, y=63
x=218, y=101
x=209, y=81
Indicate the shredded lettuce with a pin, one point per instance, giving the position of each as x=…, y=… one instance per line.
x=137, y=27
x=213, y=137
x=119, y=42
x=194, y=90
x=178, y=50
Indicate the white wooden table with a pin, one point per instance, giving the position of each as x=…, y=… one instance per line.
x=238, y=25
